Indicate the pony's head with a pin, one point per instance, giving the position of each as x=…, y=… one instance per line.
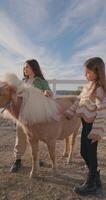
x=5, y=93
x=10, y=86
x=14, y=81
x=35, y=106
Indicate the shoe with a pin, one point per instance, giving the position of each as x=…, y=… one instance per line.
x=86, y=181
x=41, y=163
x=88, y=188
x=16, y=166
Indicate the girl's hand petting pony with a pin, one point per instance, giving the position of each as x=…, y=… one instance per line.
x=94, y=137
x=68, y=115
x=48, y=93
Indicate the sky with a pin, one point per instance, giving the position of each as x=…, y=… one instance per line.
x=61, y=35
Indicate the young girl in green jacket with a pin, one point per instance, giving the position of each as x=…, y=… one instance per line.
x=33, y=76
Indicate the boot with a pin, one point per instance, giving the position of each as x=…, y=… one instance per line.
x=84, y=185
x=88, y=188
x=98, y=180
x=16, y=166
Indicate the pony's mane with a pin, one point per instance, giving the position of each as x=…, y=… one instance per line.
x=35, y=106
x=13, y=80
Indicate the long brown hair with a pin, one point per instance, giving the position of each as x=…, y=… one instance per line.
x=97, y=65
x=35, y=68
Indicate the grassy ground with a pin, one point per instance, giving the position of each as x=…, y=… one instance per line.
x=46, y=186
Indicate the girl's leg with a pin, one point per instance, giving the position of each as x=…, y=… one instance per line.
x=84, y=141
x=92, y=157
x=93, y=163
x=19, y=149
x=89, y=154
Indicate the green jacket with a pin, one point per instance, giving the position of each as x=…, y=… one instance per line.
x=39, y=83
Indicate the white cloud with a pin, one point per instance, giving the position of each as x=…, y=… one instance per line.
x=10, y=36
x=35, y=15
x=75, y=16
x=13, y=40
x=95, y=35
x=79, y=12
x=29, y=13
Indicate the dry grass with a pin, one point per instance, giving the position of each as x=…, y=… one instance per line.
x=46, y=186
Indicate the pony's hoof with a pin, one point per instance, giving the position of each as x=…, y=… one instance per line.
x=33, y=175
x=69, y=160
x=54, y=172
x=65, y=154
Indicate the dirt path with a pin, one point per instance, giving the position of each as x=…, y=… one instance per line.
x=46, y=186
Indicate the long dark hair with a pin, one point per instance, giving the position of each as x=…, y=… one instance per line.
x=97, y=65
x=35, y=68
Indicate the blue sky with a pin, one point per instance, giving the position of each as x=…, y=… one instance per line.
x=61, y=35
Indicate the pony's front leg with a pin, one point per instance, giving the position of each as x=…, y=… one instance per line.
x=34, y=150
x=51, y=147
x=67, y=147
x=72, y=140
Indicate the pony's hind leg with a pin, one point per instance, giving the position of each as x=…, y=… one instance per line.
x=51, y=147
x=72, y=140
x=34, y=150
x=67, y=147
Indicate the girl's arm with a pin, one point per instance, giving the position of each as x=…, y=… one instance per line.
x=48, y=93
x=43, y=85
x=71, y=111
x=99, y=125
x=46, y=90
